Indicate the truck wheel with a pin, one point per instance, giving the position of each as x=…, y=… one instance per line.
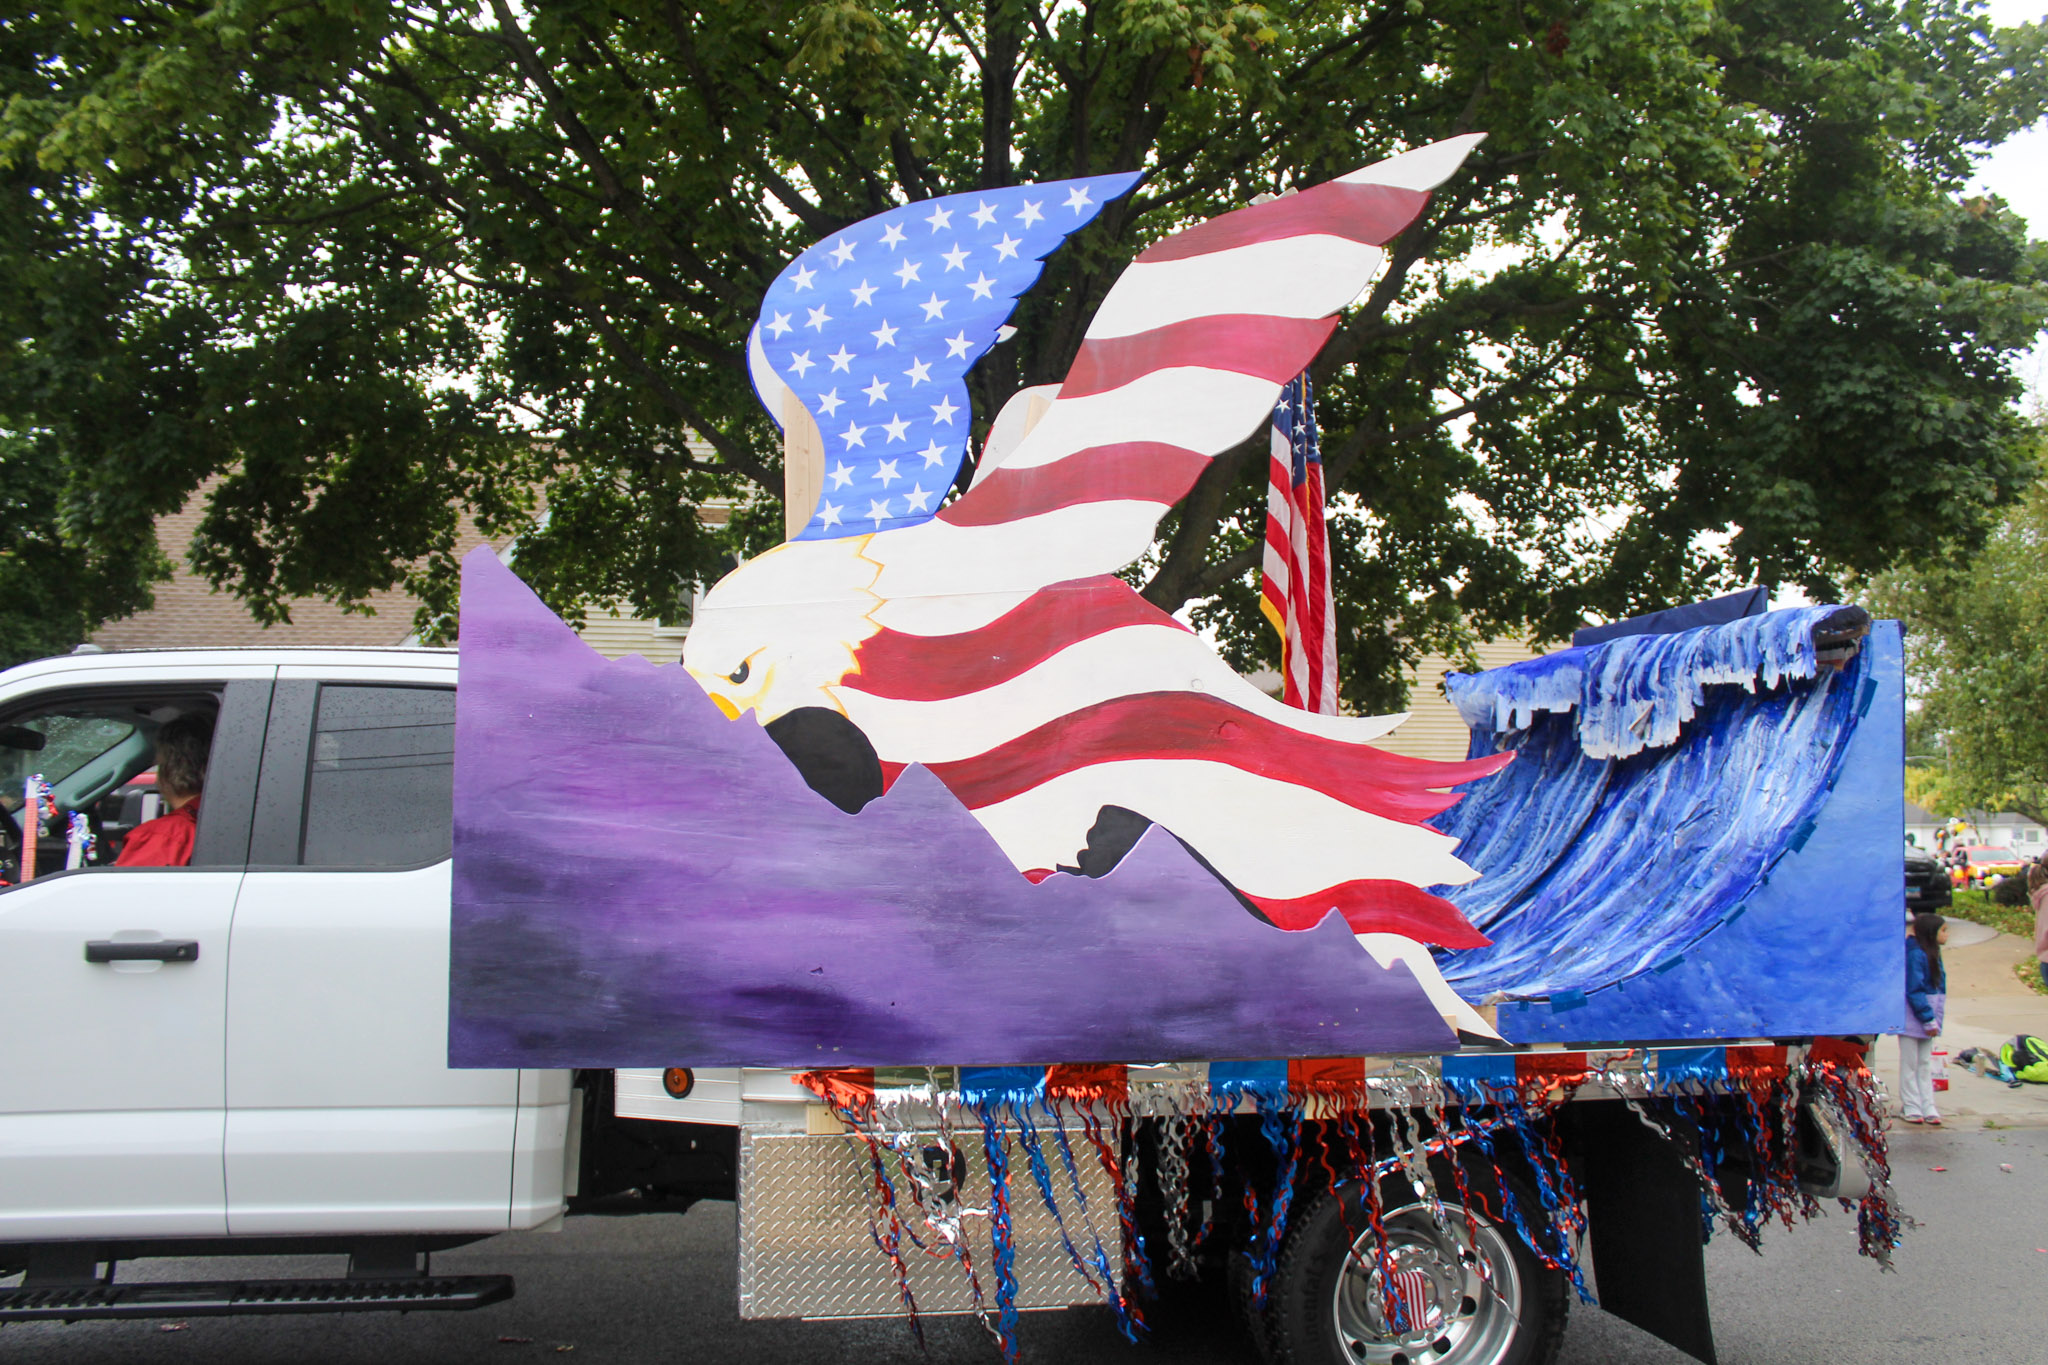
x=1329, y=1303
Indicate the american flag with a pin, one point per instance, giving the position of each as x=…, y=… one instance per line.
x=1296, y=594
x=1417, y=1295
x=992, y=642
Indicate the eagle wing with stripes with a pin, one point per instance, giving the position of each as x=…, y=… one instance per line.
x=994, y=644
x=1184, y=359
x=1041, y=688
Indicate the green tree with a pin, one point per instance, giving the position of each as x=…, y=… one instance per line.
x=1705, y=308
x=1978, y=666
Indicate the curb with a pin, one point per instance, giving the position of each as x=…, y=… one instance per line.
x=1974, y=1122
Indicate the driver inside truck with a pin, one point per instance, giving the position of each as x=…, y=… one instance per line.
x=182, y=747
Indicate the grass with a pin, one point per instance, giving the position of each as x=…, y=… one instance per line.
x=2017, y=920
x=1978, y=907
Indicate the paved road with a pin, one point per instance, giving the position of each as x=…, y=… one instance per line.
x=661, y=1289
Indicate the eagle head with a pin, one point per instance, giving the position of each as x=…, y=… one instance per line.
x=781, y=630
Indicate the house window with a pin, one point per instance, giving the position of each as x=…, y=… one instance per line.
x=676, y=620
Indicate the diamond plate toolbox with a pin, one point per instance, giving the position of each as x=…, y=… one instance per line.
x=806, y=1251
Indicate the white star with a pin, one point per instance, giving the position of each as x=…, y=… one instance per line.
x=779, y=323
x=933, y=454
x=885, y=473
x=841, y=475
x=802, y=363
x=829, y=402
x=863, y=293
x=896, y=426
x=1007, y=248
x=919, y=371
x=1029, y=214
x=803, y=277
x=840, y=359
x=828, y=515
x=916, y=499
x=876, y=391
x=891, y=235
x=943, y=412
x=908, y=272
x=885, y=335
x=981, y=284
x=958, y=346
x=941, y=218
x=1077, y=199
x=878, y=509
x=818, y=318
x=855, y=434
x=842, y=253
x=934, y=307
x=954, y=259
x=983, y=214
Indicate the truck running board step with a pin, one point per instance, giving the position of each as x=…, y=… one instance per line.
x=224, y=1298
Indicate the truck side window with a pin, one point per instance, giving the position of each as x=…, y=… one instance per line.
x=381, y=781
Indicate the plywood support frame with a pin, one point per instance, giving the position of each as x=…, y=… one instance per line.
x=803, y=464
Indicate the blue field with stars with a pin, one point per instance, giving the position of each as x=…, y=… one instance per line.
x=875, y=328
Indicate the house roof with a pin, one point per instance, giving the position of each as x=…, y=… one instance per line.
x=1919, y=815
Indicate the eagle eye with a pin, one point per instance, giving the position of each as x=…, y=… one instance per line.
x=739, y=675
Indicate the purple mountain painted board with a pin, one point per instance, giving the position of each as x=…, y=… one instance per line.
x=641, y=882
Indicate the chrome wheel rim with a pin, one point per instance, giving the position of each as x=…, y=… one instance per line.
x=1461, y=1304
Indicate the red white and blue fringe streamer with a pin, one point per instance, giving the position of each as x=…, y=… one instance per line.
x=1328, y=1124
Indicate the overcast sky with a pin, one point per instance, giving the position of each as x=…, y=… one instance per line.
x=2017, y=172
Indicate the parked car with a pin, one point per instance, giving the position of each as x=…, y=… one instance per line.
x=1981, y=862
x=1927, y=886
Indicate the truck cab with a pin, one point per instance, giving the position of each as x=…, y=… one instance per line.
x=253, y=1047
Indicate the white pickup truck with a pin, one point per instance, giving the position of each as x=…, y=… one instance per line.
x=249, y=1055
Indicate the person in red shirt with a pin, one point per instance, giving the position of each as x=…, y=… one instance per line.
x=182, y=747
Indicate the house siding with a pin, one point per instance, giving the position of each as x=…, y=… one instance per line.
x=1434, y=729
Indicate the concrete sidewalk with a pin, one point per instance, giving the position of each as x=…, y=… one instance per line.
x=1986, y=1006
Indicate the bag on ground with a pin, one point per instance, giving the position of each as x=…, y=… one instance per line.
x=2027, y=1056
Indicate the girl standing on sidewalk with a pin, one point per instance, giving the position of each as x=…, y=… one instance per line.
x=1926, y=997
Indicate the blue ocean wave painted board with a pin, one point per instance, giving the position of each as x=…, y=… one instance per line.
x=1676, y=856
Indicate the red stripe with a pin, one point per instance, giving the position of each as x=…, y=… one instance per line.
x=1280, y=475
x=936, y=667
x=1194, y=725
x=1377, y=906
x=1106, y=1084
x=1141, y=471
x=1550, y=1066
x=1757, y=1063
x=845, y=1088
x=1839, y=1052
x=1325, y=1075
x=1373, y=214
x=1299, y=646
x=1317, y=619
x=1271, y=348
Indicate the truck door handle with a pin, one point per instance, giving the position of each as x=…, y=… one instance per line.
x=142, y=950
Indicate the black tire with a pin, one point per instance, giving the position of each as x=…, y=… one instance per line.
x=1261, y=1325
x=1482, y=1329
